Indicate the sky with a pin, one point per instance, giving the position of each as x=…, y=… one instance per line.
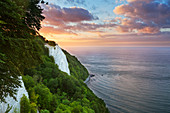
x=110, y=23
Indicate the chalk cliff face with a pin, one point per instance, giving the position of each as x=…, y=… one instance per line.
x=59, y=57
x=60, y=60
x=12, y=102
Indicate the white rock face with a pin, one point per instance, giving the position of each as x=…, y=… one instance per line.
x=59, y=57
x=60, y=60
x=12, y=102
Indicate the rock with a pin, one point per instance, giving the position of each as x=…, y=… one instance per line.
x=59, y=57
x=15, y=104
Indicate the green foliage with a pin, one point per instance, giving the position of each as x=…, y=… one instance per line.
x=13, y=16
x=45, y=96
x=34, y=15
x=77, y=109
x=24, y=105
x=33, y=96
x=76, y=68
x=44, y=111
x=16, y=55
x=60, y=92
x=74, y=107
x=2, y=22
x=28, y=81
x=19, y=47
x=23, y=53
x=22, y=3
x=66, y=101
x=8, y=72
x=53, y=85
x=10, y=14
x=20, y=16
x=51, y=43
x=33, y=108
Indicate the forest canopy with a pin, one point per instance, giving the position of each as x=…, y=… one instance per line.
x=23, y=54
x=19, y=22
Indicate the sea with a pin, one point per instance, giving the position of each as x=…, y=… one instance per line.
x=128, y=79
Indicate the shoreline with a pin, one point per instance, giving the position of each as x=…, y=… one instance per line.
x=87, y=79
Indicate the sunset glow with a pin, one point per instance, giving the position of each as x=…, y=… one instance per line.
x=107, y=22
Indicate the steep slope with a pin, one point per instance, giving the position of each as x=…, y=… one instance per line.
x=76, y=68
x=22, y=53
x=15, y=104
x=57, y=92
x=59, y=58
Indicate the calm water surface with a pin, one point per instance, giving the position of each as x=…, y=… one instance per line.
x=135, y=80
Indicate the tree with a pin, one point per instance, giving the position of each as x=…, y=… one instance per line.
x=33, y=108
x=34, y=15
x=53, y=85
x=28, y=81
x=45, y=96
x=9, y=81
x=11, y=19
x=20, y=17
x=24, y=105
x=44, y=111
x=12, y=50
x=77, y=109
x=33, y=96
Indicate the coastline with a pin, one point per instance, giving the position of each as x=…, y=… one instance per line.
x=88, y=80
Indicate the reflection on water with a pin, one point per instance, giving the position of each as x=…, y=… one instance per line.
x=135, y=80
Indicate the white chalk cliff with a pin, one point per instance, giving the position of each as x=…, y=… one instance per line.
x=59, y=57
x=15, y=104
x=60, y=60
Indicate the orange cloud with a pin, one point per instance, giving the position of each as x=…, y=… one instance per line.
x=150, y=30
x=52, y=30
x=120, y=10
x=69, y=20
x=143, y=16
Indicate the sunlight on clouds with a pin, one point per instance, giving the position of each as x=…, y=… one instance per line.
x=75, y=25
x=143, y=16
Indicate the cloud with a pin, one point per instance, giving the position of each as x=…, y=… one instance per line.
x=70, y=21
x=150, y=30
x=67, y=20
x=54, y=13
x=52, y=30
x=143, y=16
x=80, y=2
x=89, y=26
x=75, y=29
